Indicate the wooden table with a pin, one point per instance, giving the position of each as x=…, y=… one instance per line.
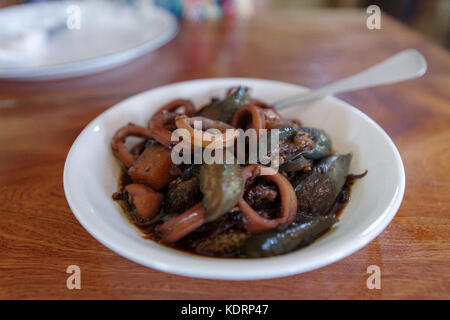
x=40, y=237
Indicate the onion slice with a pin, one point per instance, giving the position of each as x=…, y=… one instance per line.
x=200, y=138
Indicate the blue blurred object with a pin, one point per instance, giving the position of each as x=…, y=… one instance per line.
x=174, y=6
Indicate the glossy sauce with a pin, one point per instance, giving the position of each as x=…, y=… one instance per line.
x=184, y=244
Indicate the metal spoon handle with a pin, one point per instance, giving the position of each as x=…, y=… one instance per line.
x=405, y=65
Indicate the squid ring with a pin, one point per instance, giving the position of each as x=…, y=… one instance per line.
x=176, y=228
x=205, y=139
x=117, y=143
x=164, y=116
x=254, y=222
x=241, y=115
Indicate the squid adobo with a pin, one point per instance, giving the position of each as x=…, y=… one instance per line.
x=230, y=209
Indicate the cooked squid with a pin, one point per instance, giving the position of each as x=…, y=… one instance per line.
x=242, y=209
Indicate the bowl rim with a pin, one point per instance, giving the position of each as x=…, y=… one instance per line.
x=225, y=264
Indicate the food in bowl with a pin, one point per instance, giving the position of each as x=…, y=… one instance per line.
x=240, y=209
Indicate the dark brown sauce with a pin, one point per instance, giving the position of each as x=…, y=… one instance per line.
x=344, y=196
x=184, y=245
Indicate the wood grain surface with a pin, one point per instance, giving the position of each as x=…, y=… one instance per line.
x=40, y=237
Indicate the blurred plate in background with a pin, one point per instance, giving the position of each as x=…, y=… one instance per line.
x=37, y=44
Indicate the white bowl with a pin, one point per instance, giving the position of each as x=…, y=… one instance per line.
x=91, y=175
